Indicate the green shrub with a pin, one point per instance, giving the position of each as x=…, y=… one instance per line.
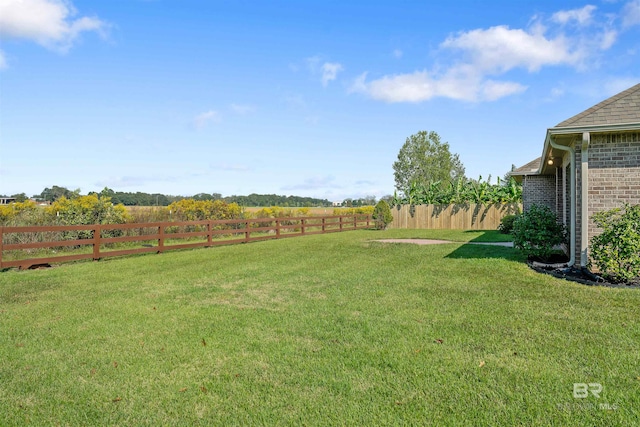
x=382, y=215
x=21, y=213
x=506, y=224
x=616, y=251
x=86, y=210
x=198, y=210
x=537, y=231
x=361, y=210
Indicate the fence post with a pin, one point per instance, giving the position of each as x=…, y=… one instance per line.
x=323, y=224
x=97, y=231
x=277, y=228
x=302, y=225
x=247, y=232
x=161, y=237
x=355, y=221
x=209, y=233
x=340, y=221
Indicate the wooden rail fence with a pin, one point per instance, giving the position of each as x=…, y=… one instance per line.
x=25, y=247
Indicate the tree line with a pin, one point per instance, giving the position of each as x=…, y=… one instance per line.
x=138, y=198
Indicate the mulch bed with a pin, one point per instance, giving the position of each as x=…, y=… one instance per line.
x=586, y=278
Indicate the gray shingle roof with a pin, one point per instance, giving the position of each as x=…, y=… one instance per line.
x=621, y=108
x=527, y=169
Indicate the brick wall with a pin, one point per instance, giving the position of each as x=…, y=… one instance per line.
x=559, y=199
x=539, y=190
x=578, y=164
x=614, y=173
x=567, y=192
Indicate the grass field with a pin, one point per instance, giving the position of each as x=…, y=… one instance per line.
x=316, y=330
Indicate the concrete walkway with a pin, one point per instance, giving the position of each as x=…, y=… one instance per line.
x=440, y=242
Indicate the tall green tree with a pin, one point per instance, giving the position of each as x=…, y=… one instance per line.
x=20, y=197
x=54, y=193
x=424, y=159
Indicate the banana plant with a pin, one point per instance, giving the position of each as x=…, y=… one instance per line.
x=461, y=191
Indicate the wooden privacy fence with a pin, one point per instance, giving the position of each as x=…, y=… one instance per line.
x=25, y=247
x=453, y=217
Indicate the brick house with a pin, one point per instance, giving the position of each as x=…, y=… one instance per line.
x=590, y=163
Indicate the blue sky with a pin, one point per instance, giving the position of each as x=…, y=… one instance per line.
x=308, y=98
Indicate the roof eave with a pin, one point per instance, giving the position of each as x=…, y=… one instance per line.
x=594, y=128
x=567, y=130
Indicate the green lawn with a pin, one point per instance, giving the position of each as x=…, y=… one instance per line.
x=317, y=330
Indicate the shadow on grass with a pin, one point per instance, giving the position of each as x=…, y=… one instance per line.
x=489, y=236
x=486, y=251
x=487, y=246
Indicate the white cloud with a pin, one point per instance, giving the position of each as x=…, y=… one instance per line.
x=201, y=120
x=631, y=14
x=493, y=90
x=49, y=23
x=463, y=84
x=242, y=109
x=607, y=39
x=479, y=59
x=582, y=16
x=397, y=53
x=359, y=85
x=557, y=92
x=415, y=87
x=500, y=49
x=313, y=62
x=330, y=71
